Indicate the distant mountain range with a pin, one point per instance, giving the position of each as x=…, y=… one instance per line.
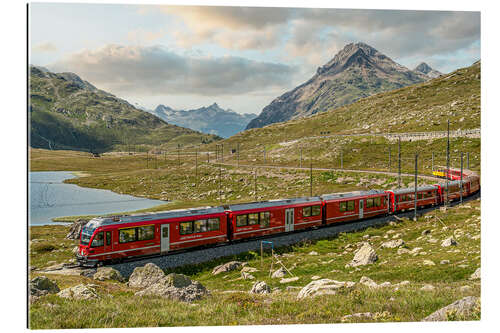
x=357, y=71
x=67, y=112
x=427, y=70
x=210, y=119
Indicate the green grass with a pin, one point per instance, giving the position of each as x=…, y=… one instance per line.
x=230, y=304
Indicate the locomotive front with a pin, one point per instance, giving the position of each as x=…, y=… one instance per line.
x=89, y=237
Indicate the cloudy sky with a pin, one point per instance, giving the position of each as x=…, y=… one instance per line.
x=240, y=57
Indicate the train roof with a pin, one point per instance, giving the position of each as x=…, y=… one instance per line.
x=334, y=196
x=176, y=213
x=412, y=189
x=272, y=203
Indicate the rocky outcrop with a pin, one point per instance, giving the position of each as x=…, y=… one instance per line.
x=176, y=287
x=364, y=256
x=323, y=287
x=76, y=228
x=427, y=70
x=393, y=243
x=279, y=273
x=260, y=287
x=227, y=267
x=448, y=242
x=476, y=275
x=460, y=308
x=79, y=292
x=143, y=277
x=288, y=280
x=41, y=285
x=108, y=273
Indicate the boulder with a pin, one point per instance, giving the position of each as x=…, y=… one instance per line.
x=364, y=256
x=249, y=269
x=76, y=228
x=444, y=262
x=227, y=267
x=429, y=263
x=260, y=287
x=428, y=287
x=143, y=277
x=393, y=244
x=368, y=282
x=42, y=285
x=323, y=287
x=176, y=287
x=247, y=276
x=476, y=275
x=279, y=273
x=462, y=307
x=80, y=291
x=426, y=232
x=108, y=273
x=448, y=242
x=288, y=280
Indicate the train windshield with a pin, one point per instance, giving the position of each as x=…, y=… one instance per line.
x=87, y=232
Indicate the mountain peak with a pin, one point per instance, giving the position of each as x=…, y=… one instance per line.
x=427, y=70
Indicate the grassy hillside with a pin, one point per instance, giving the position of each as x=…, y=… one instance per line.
x=421, y=107
x=231, y=304
x=69, y=113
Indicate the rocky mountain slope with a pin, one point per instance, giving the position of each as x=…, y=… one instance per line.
x=357, y=71
x=67, y=112
x=210, y=119
x=423, y=68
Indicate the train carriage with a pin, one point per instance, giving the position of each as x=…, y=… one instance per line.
x=453, y=190
x=109, y=239
x=343, y=207
x=404, y=199
x=268, y=217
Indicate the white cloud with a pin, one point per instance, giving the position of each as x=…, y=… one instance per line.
x=155, y=70
x=45, y=47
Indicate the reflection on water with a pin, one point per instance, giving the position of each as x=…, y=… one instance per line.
x=49, y=197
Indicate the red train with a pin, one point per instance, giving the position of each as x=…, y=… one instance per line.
x=110, y=239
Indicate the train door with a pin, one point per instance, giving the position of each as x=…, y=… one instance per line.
x=108, y=244
x=165, y=237
x=289, y=219
x=361, y=208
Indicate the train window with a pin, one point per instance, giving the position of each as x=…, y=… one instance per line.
x=369, y=203
x=98, y=240
x=186, y=228
x=343, y=206
x=213, y=224
x=315, y=210
x=253, y=219
x=306, y=211
x=264, y=219
x=108, y=237
x=200, y=226
x=377, y=201
x=350, y=205
x=146, y=232
x=420, y=196
x=241, y=220
x=127, y=235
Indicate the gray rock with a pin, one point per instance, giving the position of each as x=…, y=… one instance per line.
x=143, y=277
x=76, y=228
x=393, y=244
x=292, y=279
x=364, y=256
x=368, y=282
x=476, y=275
x=108, y=273
x=227, y=267
x=428, y=287
x=249, y=269
x=429, y=263
x=462, y=307
x=426, y=232
x=403, y=251
x=444, y=262
x=448, y=242
x=313, y=253
x=247, y=276
x=80, y=291
x=279, y=273
x=176, y=287
x=367, y=315
x=42, y=285
x=260, y=287
x=323, y=287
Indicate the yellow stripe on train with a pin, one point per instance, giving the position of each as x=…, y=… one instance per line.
x=438, y=173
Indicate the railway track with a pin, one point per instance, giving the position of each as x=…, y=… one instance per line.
x=198, y=256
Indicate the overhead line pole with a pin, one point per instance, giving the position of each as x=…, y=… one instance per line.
x=461, y=175
x=416, y=184
x=399, y=162
x=447, y=163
